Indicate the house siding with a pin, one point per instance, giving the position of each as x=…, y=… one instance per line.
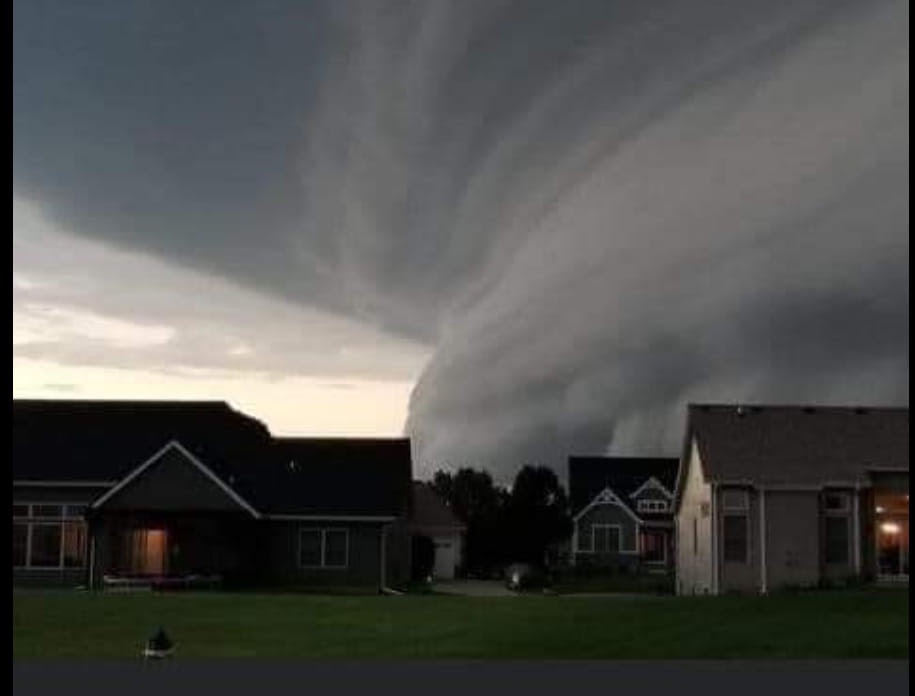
x=694, y=559
x=613, y=514
x=281, y=557
x=172, y=482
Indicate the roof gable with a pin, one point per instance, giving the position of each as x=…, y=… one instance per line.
x=430, y=511
x=606, y=497
x=589, y=476
x=173, y=479
x=335, y=476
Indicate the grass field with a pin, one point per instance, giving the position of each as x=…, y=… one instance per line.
x=834, y=624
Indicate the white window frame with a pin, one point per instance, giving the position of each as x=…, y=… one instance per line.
x=842, y=513
x=31, y=521
x=652, y=505
x=323, y=531
x=603, y=525
x=745, y=517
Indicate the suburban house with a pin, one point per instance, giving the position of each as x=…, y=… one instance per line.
x=621, y=511
x=433, y=518
x=787, y=496
x=110, y=493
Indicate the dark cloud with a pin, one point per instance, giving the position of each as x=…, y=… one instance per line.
x=594, y=211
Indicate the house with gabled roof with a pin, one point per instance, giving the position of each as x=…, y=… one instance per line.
x=433, y=518
x=621, y=511
x=117, y=493
x=770, y=497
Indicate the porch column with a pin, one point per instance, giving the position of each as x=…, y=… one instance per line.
x=383, y=541
x=763, y=569
x=856, y=525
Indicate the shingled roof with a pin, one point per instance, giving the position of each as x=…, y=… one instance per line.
x=430, y=511
x=797, y=445
x=588, y=476
x=105, y=440
x=337, y=476
x=73, y=441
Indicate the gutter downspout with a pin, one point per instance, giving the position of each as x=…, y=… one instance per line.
x=383, y=570
x=91, y=561
x=763, y=560
x=856, y=516
x=715, y=527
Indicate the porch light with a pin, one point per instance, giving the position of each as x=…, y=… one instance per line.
x=890, y=528
x=881, y=509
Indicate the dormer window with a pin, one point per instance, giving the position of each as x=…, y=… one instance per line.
x=652, y=506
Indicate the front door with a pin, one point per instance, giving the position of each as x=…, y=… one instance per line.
x=147, y=551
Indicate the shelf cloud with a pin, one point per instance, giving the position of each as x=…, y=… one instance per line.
x=581, y=215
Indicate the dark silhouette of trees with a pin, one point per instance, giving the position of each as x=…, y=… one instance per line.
x=537, y=516
x=502, y=526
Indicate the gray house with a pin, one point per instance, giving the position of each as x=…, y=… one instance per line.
x=771, y=497
x=108, y=493
x=621, y=511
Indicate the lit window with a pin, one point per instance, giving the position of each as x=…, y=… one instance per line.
x=652, y=506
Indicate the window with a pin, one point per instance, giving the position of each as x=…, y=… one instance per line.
x=652, y=506
x=48, y=536
x=45, y=546
x=837, y=539
x=654, y=547
x=735, y=504
x=323, y=548
x=607, y=538
x=836, y=528
x=585, y=540
x=736, y=538
x=734, y=500
x=20, y=544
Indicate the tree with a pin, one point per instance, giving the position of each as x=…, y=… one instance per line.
x=480, y=505
x=537, y=514
x=423, y=557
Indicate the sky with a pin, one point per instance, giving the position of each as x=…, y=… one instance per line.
x=512, y=230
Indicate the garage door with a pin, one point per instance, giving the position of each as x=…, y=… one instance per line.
x=445, y=558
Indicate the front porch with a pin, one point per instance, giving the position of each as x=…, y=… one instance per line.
x=148, y=550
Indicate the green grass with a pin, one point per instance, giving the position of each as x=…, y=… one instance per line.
x=836, y=624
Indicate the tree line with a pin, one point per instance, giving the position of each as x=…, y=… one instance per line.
x=521, y=524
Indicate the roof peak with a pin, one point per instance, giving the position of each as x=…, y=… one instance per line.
x=804, y=408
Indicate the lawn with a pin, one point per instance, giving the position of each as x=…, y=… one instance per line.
x=831, y=624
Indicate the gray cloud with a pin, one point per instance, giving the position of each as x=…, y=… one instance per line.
x=594, y=211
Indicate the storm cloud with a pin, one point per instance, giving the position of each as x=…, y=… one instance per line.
x=589, y=213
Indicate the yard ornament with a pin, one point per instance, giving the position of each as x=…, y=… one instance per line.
x=159, y=645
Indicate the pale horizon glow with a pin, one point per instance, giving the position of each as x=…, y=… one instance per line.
x=289, y=407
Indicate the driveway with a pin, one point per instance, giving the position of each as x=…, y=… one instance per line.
x=473, y=588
